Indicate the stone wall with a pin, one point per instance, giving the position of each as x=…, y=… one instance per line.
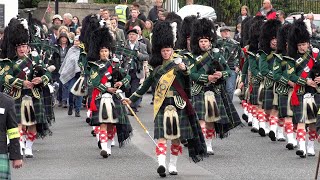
x=79, y=9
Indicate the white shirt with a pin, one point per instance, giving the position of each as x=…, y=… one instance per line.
x=132, y=45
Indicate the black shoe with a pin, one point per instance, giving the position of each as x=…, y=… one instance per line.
x=262, y=132
x=93, y=133
x=173, y=173
x=301, y=153
x=64, y=104
x=104, y=154
x=77, y=114
x=272, y=136
x=88, y=120
x=70, y=111
x=254, y=130
x=99, y=145
x=161, y=171
x=250, y=124
x=290, y=146
x=245, y=117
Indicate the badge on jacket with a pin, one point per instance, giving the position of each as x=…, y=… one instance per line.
x=2, y=110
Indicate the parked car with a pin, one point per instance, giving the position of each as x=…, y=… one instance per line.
x=297, y=15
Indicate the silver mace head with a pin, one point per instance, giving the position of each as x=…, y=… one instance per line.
x=119, y=94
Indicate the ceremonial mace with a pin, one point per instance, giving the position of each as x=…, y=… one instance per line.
x=121, y=97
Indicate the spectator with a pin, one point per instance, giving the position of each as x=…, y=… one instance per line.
x=134, y=21
x=143, y=39
x=76, y=22
x=1, y=35
x=313, y=26
x=136, y=6
x=237, y=35
x=282, y=17
x=71, y=37
x=161, y=15
x=147, y=30
x=136, y=69
x=189, y=2
x=119, y=34
x=57, y=20
x=267, y=10
x=63, y=29
x=54, y=35
x=78, y=31
x=67, y=20
x=104, y=14
x=69, y=74
x=8, y=127
x=63, y=47
x=244, y=14
x=153, y=13
x=122, y=11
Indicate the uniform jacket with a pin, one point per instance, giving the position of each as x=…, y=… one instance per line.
x=8, y=124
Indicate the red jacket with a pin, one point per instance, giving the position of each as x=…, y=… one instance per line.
x=272, y=14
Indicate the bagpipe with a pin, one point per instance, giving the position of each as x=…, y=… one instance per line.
x=127, y=57
x=217, y=66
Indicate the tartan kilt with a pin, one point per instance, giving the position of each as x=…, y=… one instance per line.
x=48, y=105
x=283, y=104
x=199, y=106
x=4, y=167
x=298, y=110
x=119, y=108
x=37, y=104
x=267, y=102
x=184, y=125
x=254, y=94
x=228, y=114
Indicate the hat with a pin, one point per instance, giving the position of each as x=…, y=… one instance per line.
x=254, y=33
x=89, y=24
x=57, y=16
x=202, y=29
x=298, y=34
x=185, y=31
x=132, y=31
x=268, y=32
x=100, y=38
x=245, y=26
x=282, y=39
x=164, y=35
x=16, y=34
x=63, y=34
x=223, y=28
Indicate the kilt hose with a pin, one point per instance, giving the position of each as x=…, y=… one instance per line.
x=4, y=167
x=184, y=125
x=199, y=106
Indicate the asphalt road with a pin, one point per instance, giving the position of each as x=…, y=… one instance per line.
x=72, y=153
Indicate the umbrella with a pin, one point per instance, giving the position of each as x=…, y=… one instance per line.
x=202, y=11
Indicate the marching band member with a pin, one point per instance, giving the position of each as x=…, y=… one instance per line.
x=174, y=116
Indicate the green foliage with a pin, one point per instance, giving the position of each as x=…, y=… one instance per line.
x=34, y=3
x=112, y=1
x=228, y=8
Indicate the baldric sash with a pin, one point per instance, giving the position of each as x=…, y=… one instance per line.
x=304, y=74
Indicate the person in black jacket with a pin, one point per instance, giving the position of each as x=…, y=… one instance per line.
x=8, y=127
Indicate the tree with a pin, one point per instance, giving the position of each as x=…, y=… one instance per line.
x=228, y=9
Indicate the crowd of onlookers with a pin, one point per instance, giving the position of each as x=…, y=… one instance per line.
x=64, y=32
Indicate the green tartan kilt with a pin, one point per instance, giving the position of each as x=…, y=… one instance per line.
x=267, y=102
x=254, y=94
x=120, y=110
x=4, y=167
x=37, y=104
x=298, y=110
x=228, y=114
x=199, y=106
x=184, y=125
x=283, y=106
x=48, y=105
